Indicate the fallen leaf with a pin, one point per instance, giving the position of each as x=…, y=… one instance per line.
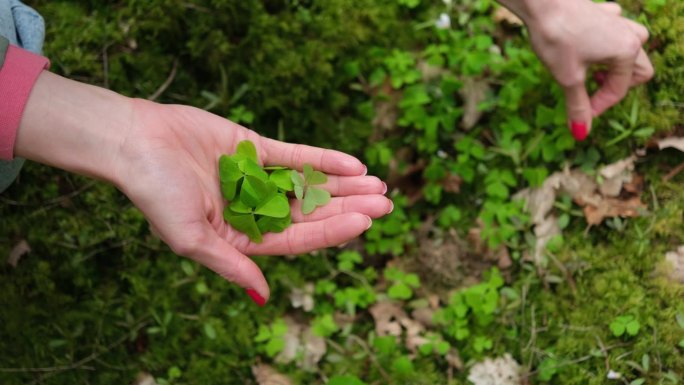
x=612, y=207
x=314, y=349
x=144, y=378
x=303, y=297
x=454, y=359
x=675, y=142
x=676, y=261
x=474, y=92
x=616, y=175
x=452, y=183
x=502, y=14
x=430, y=72
x=266, y=375
x=498, y=371
x=292, y=342
x=390, y=319
x=17, y=252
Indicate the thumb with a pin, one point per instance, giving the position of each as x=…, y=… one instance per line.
x=221, y=257
x=578, y=106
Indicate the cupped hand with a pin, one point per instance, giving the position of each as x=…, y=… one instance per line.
x=169, y=170
x=571, y=36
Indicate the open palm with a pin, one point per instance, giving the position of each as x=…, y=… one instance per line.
x=170, y=171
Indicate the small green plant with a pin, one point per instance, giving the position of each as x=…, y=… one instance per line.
x=272, y=339
x=310, y=196
x=402, y=283
x=626, y=324
x=258, y=195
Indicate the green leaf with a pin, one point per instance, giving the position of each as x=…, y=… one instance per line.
x=244, y=223
x=680, y=320
x=618, y=328
x=442, y=347
x=209, y=331
x=312, y=177
x=252, y=168
x=247, y=150
x=400, y=290
x=282, y=179
x=547, y=369
x=274, y=346
x=237, y=207
x=229, y=175
x=277, y=206
x=324, y=326
x=273, y=225
x=385, y=345
x=254, y=191
x=402, y=366
x=638, y=381
x=314, y=197
x=632, y=327
x=299, y=192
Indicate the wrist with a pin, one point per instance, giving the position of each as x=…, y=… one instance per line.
x=74, y=126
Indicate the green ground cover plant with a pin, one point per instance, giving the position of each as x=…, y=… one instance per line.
x=457, y=121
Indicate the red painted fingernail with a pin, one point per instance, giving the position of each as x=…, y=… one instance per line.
x=579, y=130
x=600, y=77
x=258, y=299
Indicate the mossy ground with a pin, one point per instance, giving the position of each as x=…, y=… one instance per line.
x=99, y=299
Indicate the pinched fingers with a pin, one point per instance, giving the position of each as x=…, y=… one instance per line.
x=354, y=185
x=295, y=156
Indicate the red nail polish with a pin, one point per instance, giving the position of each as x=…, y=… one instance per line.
x=258, y=299
x=579, y=130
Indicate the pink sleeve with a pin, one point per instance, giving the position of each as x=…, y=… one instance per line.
x=17, y=76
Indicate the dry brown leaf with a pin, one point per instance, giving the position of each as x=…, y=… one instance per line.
x=429, y=71
x=390, y=319
x=675, y=259
x=454, y=359
x=498, y=371
x=17, y=252
x=292, y=342
x=675, y=142
x=266, y=375
x=612, y=207
x=502, y=14
x=303, y=297
x=452, y=183
x=616, y=175
x=474, y=92
x=314, y=349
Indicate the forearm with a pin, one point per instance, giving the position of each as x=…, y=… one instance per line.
x=73, y=126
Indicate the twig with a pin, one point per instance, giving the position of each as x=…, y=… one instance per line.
x=673, y=173
x=166, y=83
x=50, y=202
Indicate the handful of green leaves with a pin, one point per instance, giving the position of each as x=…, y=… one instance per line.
x=257, y=195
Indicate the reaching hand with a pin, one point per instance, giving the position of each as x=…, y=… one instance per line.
x=170, y=171
x=570, y=36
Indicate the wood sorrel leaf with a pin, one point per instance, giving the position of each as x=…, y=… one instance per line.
x=229, y=175
x=312, y=177
x=244, y=223
x=252, y=168
x=282, y=179
x=276, y=206
x=240, y=208
x=247, y=149
x=299, y=192
x=273, y=225
x=314, y=197
x=297, y=179
x=254, y=191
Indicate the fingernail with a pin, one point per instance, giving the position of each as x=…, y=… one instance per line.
x=391, y=207
x=370, y=222
x=579, y=130
x=384, y=189
x=258, y=299
x=365, y=170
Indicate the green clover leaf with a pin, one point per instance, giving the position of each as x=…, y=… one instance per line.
x=313, y=198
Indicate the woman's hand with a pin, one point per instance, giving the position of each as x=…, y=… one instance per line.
x=165, y=159
x=570, y=36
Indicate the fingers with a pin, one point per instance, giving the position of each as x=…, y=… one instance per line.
x=278, y=153
x=217, y=254
x=374, y=206
x=578, y=106
x=613, y=8
x=305, y=237
x=617, y=83
x=354, y=185
x=643, y=69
